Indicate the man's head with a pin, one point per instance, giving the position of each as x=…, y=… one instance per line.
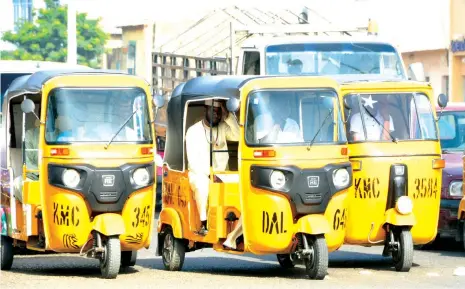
x=294, y=66
x=214, y=118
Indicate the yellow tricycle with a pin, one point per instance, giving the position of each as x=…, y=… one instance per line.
x=396, y=159
x=77, y=166
x=255, y=164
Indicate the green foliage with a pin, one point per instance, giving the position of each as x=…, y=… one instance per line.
x=46, y=38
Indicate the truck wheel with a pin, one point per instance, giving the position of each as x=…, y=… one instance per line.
x=128, y=258
x=173, y=251
x=111, y=259
x=403, y=257
x=285, y=261
x=7, y=253
x=316, y=264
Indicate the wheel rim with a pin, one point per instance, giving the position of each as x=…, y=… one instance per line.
x=311, y=256
x=104, y=258
x=168, y=248
x=397, y=253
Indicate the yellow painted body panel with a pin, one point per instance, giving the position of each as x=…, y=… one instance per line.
x=367, y=199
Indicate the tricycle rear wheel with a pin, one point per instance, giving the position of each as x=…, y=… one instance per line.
x=7, y=253
x=316, y=264
x=285, y=261
x=111, y=259
x=403, y=256
x=128, y=258
x=173, y=251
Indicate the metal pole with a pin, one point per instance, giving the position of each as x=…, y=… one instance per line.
x=231, y=48
x=72, y=42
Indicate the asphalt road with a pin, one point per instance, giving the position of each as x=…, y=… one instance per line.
x=350, y=267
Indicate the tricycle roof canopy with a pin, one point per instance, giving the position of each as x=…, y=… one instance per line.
x=33, y=83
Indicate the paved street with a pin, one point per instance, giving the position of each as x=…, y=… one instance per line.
x=350, y=267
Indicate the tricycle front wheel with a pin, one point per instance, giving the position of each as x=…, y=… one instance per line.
x=316, y=263
x=111, y=260
x=403, y=256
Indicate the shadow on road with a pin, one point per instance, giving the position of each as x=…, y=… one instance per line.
x=444, y=247
x=71, y=266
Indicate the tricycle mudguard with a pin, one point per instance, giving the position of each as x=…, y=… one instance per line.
x=312, y=225
x=109, y=224
x=169, y=216
x=395, y=218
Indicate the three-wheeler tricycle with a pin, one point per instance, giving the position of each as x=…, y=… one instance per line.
x=396, y=160
x=255, y=165
x=77, y=166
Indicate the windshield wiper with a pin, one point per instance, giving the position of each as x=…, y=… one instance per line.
x=121, y=127
x=382, y=126
x=319, y=129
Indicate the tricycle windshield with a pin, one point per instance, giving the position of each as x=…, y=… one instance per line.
x=333, y=59
x=96, y=115
x=452, y=130
x=294, y=117
x=390, y=117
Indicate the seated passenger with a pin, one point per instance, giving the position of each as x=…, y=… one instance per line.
x=275, y=125
x=225, y=128
x=376, y=128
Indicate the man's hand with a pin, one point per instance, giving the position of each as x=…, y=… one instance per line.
x=224, y=112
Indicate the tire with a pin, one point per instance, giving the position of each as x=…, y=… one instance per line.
x=317, y=265
x=403, y=258
x=285, y=261
x=111, y=261
x=128, y=258
x=7, y=253
x=463, y=235
x=173, y=251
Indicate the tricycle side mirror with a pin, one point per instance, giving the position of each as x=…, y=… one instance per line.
x=27, y=106
x=232, y=105
x=158, y=101
x=443, y=100
x=416, y=71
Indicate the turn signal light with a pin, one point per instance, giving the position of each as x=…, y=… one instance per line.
x=146, y=151
x=264, y=153
x=59, y=152
x=356, y=165
x=344, y=151
x=439, y=163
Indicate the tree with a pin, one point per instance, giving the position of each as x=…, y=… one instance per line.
x=46, y=38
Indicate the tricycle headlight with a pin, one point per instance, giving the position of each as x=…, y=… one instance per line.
x=404, y=205
x=455, y=189
x=341, y=178
x=277, y=180
x=71, y=178
x=141, y=177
